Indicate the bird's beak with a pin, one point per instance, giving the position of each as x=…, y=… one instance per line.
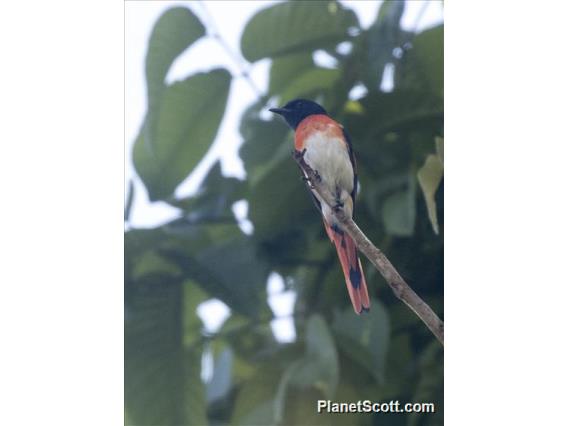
x=280, y=111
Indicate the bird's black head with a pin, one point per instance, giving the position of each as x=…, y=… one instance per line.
x=298, y=109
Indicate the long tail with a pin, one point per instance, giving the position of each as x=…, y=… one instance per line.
x=351, y=265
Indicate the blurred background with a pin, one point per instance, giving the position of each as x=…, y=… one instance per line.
x=236, y=310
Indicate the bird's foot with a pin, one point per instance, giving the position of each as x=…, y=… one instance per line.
x=317, y=176
x=299, y=155
x=308, y=182
x=305, y=167
x=338, y=206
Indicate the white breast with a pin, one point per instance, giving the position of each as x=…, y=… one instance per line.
x=330, y=158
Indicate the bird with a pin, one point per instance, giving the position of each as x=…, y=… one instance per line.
x=327, y=149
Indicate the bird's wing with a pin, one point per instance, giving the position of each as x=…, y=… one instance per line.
x=353, y=164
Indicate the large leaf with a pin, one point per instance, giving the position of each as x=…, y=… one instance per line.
x=162, y=380
x=144, y=262
x=218, y=258
x=129, y=201
x=176, y=29
x=422, y=66
x=430, y=386
x=365, y=338
x=152, y=263
x=318, y=368
x=286, y=68
x=295, y=26
x=193, y=296
x=194, y=391
x=254, y=404
x=262, y=414
x=265, y=143
x=280, y=202
x=293, y=76
x=214, y=198
x=400, y=358
x=232, y=273
x=186, y=125
x=429, y=177
x=313, y=80
x=429, y=51
x=380, y=40
x=396, y=111
x=399, y=210
x=222, y=261
x=273, y=205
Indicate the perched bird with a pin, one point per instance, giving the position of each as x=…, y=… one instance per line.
x=328, y=152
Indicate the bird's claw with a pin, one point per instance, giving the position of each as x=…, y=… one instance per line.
x=307, y=181
x=317, y=176
x=299, y=155
x=338, y=206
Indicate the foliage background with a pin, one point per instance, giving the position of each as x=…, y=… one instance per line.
x=203, y=253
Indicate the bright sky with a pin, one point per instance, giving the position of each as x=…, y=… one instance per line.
x=230, y=18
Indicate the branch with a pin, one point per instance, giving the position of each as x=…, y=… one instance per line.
x=214, y=32
x=400, y=288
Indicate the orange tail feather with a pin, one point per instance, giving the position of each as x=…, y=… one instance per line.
x=352, y=270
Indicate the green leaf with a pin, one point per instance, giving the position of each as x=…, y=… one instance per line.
x=175, y=30
x=429, y=178
x=188, y=120
x=262, y=414
x=288, y=208
x=286, y=68
x=396, y=111
x=380, y=39
x=195, y=403
x=162, y=380
x=295, y=75
x=430, y=385
x=226, y=267
x=390, y=13
x=365, y=338
x=266, y=143
x=214, y=199
x=400, y=361
x=254, y=404
x=129, y=200
x=311, y=81
x=295, y=26
x=152, y=262
x=422, y=67
x=233, y=273
x=439, y=147
x=428, y=48
x=243, y=368
x=321, y=366
x=266, y=153
x=193, y=296
x=219, y=258
x=318, y=368
x=399, y=211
